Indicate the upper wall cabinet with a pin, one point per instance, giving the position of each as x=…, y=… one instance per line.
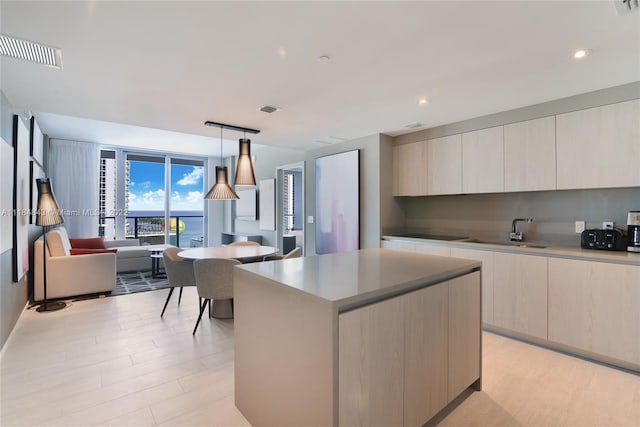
x=599, y=147
x=410, y=169
x=444, y=170
x=483, y=161
x=530, y=155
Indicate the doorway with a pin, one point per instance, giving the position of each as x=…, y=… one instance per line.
x=290, y=224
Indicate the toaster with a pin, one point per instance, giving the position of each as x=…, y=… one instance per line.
x=610, y=240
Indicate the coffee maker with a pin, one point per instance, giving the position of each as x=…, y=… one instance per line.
x=633, y=232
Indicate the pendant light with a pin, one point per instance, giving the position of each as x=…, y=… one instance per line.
x=244, y=168
x=221, y=190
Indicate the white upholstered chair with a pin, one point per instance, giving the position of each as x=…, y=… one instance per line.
x=179, y=273
x=214, y=279
x=70, y=275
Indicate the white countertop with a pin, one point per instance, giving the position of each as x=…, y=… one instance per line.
x=570, y=252
x=353, y=278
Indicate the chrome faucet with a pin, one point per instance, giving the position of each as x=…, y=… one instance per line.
x=516, y=235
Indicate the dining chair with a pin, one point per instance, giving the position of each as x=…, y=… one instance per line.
x=294, y=253
x=214, y=280
x=244, y=243
x=179, y=273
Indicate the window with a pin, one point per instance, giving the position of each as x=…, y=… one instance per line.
x=141, y=193
x=288, y=203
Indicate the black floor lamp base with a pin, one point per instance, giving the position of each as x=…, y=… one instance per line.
x=51, y=306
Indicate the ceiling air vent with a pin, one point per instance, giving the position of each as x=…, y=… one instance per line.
x=413, y=125
x=330, y=140
x=30, y=51
x=624, y=7
x=268, y=109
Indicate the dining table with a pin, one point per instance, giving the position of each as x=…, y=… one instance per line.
x=223, y=309
x=241, y=253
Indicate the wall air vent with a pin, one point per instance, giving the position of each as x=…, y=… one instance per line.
x=30, y=51
x=268, y=109
x=624, y=7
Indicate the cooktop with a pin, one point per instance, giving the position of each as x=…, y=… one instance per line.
x=431, y=236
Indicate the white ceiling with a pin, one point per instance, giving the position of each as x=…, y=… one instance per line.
x=173, y=65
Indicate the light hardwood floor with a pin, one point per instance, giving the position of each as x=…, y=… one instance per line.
x=113, y=361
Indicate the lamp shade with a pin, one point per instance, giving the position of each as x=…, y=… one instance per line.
x=221, y=190
x=48, y=212
x=244, y=169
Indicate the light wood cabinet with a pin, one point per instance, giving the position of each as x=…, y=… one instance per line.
x=410, y=169
x=371, y=360
x=464, y=322
x=444, y=165
x=432, y=250
x=402, y=360
x=599, y=147
x=483, y=161
x=530, y=155
x=486, y=257
x=397, y=245
x=595, y=307
x=426, y=353
x=520, y=293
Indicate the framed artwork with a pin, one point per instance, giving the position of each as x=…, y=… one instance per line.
x=267, y=204
x=338, y=202
x=20, y=198
x=35, y=172
x=6, y=196
x=36, y=142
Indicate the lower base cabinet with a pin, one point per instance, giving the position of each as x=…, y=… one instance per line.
x=595, y=307
x=520, y=293
x=486, y=257
x=402, y=360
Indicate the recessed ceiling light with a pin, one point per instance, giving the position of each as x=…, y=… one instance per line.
x=30, y=51
x=581, y=53
x=423, y=101
x=324, y=58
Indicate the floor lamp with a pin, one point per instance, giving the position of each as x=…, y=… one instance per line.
x=47, y=214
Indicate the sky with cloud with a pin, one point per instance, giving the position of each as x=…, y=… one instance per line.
x=147, y=192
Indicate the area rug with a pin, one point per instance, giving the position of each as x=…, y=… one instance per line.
x=138, y=281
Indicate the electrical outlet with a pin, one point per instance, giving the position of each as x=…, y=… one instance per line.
x=580, y=226
x=310, y=219
x=607, y=225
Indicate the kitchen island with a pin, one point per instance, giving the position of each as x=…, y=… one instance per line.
x=358, y=338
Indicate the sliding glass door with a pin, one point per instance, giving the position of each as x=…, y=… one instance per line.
x=146, y=198
x=186, y=203
x=155, y=199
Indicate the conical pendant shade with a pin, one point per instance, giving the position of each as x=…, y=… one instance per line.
x=244, y=169
x=221, y=190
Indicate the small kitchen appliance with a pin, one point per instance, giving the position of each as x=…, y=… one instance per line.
x=609, y=239
x=633, y=231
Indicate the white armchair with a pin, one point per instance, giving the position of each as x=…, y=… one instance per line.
x=70, y=275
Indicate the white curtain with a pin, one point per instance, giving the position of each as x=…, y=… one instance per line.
x=73, y=168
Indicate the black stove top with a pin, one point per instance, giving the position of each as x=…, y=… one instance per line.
x=431, y=236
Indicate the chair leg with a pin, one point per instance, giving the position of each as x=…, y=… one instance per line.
x=180, y=296
x=209, y=309
x=204, y=304
x=167, y=301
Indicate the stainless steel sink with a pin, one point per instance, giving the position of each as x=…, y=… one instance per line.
x=515, y=244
